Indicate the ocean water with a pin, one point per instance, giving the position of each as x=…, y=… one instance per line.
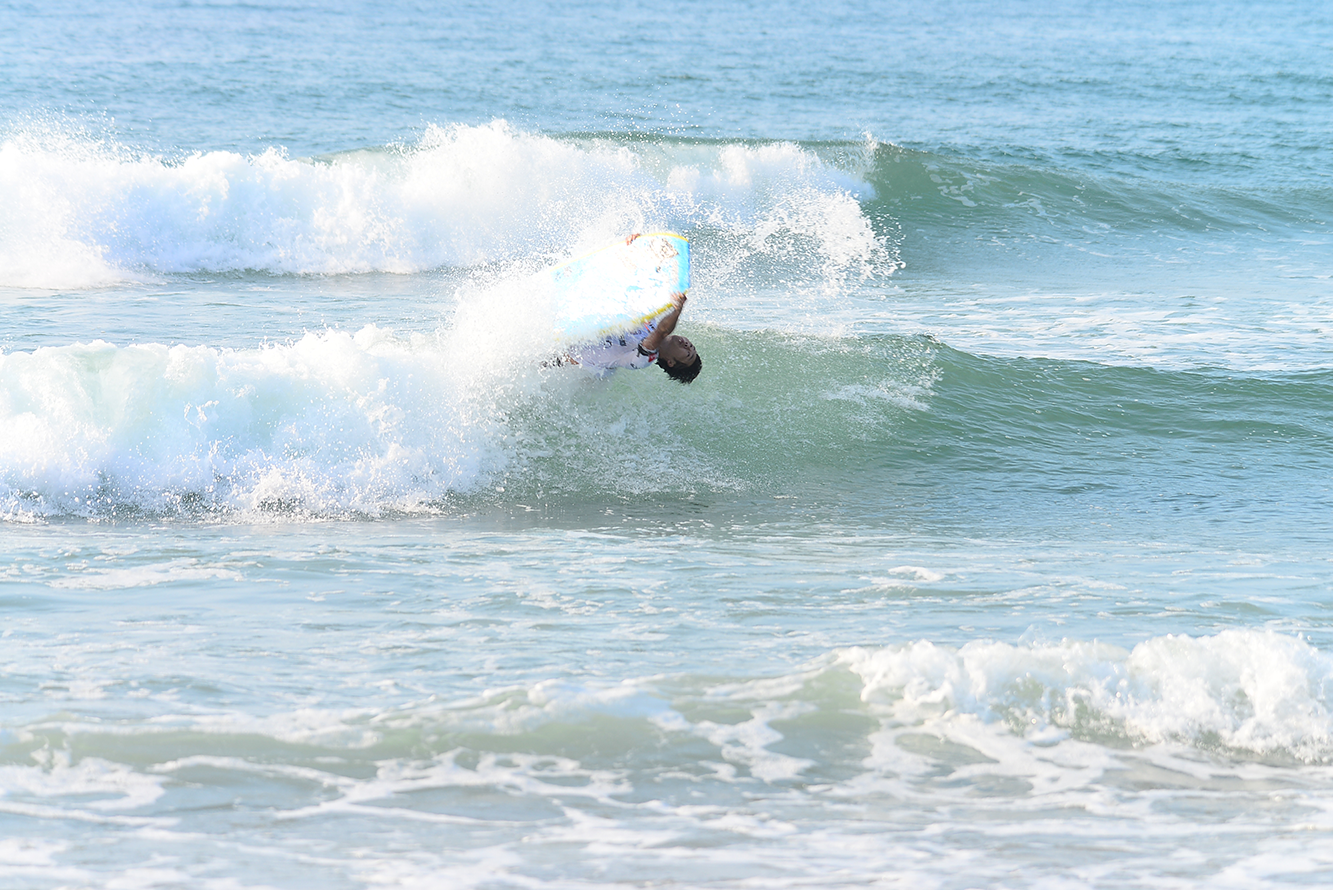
x=992, y=548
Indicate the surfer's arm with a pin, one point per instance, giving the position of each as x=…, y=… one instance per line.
x=665, y=326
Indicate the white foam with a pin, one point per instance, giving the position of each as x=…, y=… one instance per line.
x=83, y=212
x=747, y=742
x=1242, y=689
x=334, y=422
x=115, y=786
x=917, y=573
x=35, y=859
x=520, y=710
x=143, y=576
x=29, y=851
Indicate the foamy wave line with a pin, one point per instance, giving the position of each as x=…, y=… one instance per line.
x=81, y=212
x=1242, y=690
x=331, y=424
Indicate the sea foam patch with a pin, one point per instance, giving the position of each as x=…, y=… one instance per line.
x=1241, y=690
x=84, y=212
x=334, y=422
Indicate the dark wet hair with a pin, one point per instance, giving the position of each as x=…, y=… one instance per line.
x=684, y=373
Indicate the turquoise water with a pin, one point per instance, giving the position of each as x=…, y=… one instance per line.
x=990, y=549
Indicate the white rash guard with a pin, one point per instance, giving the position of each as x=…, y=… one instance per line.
x=618, y=351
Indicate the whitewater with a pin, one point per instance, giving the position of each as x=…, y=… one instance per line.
x=990, y=549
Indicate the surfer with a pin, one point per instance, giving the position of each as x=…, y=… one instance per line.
x=651, y=342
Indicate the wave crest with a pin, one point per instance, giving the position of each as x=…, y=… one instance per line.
x=1238, y=691
x=334, y=423
x=86, y=212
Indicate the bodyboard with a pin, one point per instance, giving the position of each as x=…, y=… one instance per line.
x=618, y=287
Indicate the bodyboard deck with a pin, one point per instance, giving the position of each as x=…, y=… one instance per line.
x=618, y=287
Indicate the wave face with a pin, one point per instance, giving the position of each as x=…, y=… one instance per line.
x=377, y=422
x=1029, y=206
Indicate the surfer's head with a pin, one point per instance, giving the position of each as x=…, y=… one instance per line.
x=679, y=359
x=684, y=373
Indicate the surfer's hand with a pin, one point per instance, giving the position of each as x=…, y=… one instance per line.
x=679, y=300
x=630, y=239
